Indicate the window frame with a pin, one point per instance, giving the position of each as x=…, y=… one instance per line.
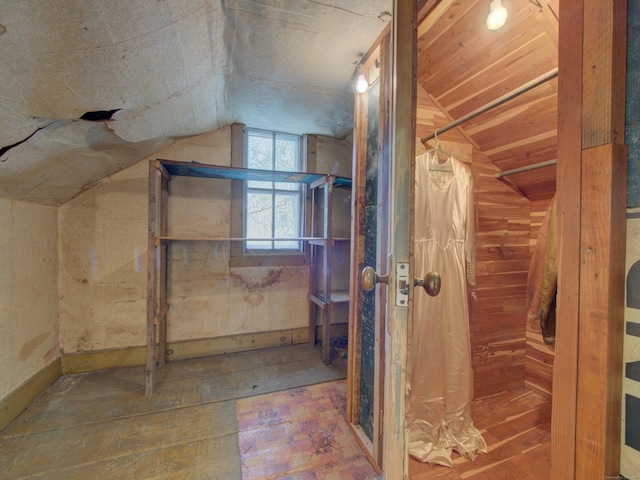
x=239, y=255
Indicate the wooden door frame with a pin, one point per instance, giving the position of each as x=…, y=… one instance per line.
x=591, y=205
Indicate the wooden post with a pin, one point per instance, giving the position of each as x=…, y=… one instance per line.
x=591, y=196
x=326, y=267
x=162, y=288
x=602, y=275
x=150, y=371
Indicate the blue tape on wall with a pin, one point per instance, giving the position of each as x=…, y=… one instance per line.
x=632, y=128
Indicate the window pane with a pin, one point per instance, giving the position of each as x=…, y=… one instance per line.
x=273, y=208
x=287, y=158
x=287, y=212
x=260, y=151
x=260, y=155
x=286, y=153
x=259, y=219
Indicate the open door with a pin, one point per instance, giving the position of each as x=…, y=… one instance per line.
x=384, y=151
x=369, y=248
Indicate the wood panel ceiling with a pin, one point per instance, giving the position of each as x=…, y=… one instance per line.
x=463, y=66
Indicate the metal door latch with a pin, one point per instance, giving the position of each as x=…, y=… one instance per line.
x=402, y=284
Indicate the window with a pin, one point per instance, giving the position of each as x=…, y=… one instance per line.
x=273, y=209
x=262, y=210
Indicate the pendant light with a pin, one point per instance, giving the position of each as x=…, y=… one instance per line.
x=361, y=84
x=498, y=15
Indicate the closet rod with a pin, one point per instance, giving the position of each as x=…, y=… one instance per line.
x=526, y=169
x=499, y=101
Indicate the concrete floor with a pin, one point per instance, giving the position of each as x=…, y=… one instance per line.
x=101, y=426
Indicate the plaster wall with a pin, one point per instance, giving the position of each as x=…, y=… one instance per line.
x=104, y=250
x=28, y=291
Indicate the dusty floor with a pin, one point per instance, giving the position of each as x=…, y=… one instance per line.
x=101, y=426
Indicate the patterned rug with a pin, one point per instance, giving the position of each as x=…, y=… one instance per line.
x=299, y=434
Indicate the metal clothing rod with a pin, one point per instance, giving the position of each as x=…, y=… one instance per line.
x=499, y=101
x=525, y=169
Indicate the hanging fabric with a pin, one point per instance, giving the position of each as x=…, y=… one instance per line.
x=441, y=384
x=542, y=282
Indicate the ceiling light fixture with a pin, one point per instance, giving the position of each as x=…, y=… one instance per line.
x=498, y=15
x=361, y=84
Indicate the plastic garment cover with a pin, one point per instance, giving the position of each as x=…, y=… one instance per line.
x=441, y=387
x=542, y=282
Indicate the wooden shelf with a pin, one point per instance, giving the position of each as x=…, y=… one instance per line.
x=161, y=173
x=324, y=241
x=171, y=168
x=337, y=296
x=321, y=264
x=177, y=238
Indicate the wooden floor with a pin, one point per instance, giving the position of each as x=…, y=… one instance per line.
x=100, y=425
x=517, y=428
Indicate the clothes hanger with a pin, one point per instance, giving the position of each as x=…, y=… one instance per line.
x=438, y=149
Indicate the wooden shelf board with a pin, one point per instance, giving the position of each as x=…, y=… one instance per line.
x=338, y=296
x=312, y=240
x=193, y=169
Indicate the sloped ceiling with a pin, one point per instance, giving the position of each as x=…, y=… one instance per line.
x=88, y=87
x=463, y=66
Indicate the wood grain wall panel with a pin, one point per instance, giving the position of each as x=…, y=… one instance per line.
x=513, y=42
x=505, y=75
x=497, y=321
x=518, y=154
x=528, y=150
x=462, y=66
x=540, y=101
x=533, y=116
x=538, y=365
x=444, y=17
x=499, y=253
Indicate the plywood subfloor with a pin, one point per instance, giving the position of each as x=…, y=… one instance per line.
x=100, y=425
x=517, y=428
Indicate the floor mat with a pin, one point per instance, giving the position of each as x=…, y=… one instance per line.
x=299, y=434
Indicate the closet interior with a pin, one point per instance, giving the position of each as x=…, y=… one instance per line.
x=491, y=98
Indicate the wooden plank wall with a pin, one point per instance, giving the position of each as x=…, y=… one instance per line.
x=539, y=356
x=498, y=314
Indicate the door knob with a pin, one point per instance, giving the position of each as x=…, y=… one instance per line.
x=431, y=283
x=370, y=278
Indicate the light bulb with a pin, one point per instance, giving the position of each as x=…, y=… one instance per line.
x=361, y=85
x=498, y=15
